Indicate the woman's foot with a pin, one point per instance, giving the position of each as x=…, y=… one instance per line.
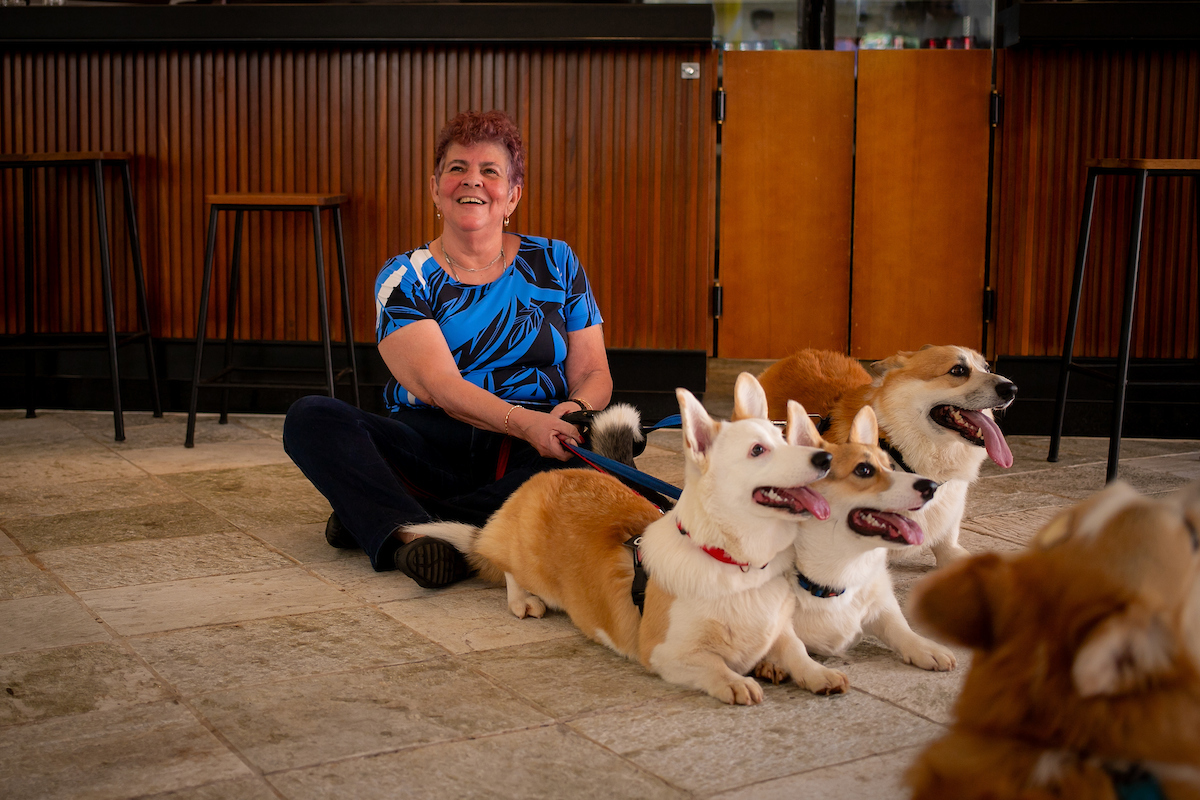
x=432, y=563
x=337, y=535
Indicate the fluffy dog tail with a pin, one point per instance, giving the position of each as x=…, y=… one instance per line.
x=614, y=432
x=463, y=537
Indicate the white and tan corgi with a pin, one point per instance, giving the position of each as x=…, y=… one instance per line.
x=934, y=408
x=717, y=598
x=841, y=581
x=1085, y=673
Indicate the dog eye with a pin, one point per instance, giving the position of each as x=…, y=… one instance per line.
x=864, y=470
x=757, y=451
x=959, y=371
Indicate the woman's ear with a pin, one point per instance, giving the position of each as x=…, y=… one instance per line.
x=514, y=197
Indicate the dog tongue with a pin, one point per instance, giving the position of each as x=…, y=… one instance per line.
x=814, y=503
x=908, y=529
x=993, y=439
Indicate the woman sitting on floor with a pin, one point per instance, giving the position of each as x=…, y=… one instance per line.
x=490, y=337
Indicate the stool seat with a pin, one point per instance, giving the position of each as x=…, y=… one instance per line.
x=312, y=203
x=1155, y=164
x=96, y=160
x=267, y=200
x=1140, y=169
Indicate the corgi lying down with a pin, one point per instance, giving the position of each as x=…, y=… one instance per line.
x=717, y=598
x=841, y=583
x=934, y=408
x=1085, y=680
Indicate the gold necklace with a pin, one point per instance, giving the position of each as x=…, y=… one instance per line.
x=455, y=266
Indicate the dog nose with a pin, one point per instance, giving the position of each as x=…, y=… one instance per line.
x=822, y=460
x=1006, y=390
x=925, y=488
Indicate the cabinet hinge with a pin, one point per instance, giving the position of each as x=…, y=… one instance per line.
x=989, y=305
x=996, y=109
x=719, y=105
x=718, y=300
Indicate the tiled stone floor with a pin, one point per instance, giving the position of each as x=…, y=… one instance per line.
x=172, y=624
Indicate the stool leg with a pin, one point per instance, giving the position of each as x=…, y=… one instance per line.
x=1064, y=369
x=110, y=319
x=139, y=275
x=1131, y=275
x=348, y=322
x=201, y=323
x=30, y=306
x=235, y=277
x=324, y=311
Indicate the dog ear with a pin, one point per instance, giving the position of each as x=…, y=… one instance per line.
x=699, y=429
x=881, y=368
x=800, y=428
x=865, y=427
x=749, y=399
x=955, y=601
x=1123, y=652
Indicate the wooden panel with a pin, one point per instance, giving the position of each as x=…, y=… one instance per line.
x=1062, y=107
x=787, y=152
x=622, y=156
x=920, y=200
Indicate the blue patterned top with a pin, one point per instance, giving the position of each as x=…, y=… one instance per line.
x=508, y=336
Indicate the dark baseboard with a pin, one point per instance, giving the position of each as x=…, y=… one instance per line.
x=74, y=379
x=1152, y=412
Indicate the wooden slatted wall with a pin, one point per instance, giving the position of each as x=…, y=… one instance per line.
x=1063, y=106
x=622, y=155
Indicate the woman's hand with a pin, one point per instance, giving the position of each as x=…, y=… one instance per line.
x=546, y=432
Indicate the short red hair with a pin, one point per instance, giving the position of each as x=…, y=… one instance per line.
x=472, y=127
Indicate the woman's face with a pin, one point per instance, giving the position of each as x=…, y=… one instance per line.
x=473, y=191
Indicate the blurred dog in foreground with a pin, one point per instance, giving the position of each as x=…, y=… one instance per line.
x=934, y=407
x=717, y=597
x=1084, y=682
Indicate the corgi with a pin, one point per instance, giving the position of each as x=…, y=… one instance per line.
x=841, y=581
x=717, y=597
x=934, y=408
x=1085, y=678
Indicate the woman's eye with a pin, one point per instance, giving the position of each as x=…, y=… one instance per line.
x=959, y=371
x=864, y=470
x=757, y=451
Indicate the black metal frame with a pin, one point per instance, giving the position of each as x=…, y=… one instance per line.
x=226, y=378
x=29, y=341
x=1121, y=378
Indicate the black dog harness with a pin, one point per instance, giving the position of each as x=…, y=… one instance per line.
x=638, y=589
x=897, y=459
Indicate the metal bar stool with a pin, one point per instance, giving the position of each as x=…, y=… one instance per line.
x=228, y=378
x=30, y=340
x=1140, y=169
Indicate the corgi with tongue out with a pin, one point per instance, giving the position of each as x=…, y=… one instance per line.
x=935, y=410
x=716, y=567
x=841, y=580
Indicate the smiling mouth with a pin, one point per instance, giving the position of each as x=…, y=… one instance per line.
x=886, y=525
x=796, y=500
x=975, y=427
x=470, y=201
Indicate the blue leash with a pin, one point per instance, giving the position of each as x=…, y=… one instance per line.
x=604, y=464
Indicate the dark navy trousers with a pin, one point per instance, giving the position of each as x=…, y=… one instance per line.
x=417, y=465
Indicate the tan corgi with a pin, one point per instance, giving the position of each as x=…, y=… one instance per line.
x=934, y=408
x=841, y=582
x=717, y=597
x=1084, y=681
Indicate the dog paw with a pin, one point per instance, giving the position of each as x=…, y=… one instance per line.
x=742, y=692
x=769, y=671
x=823, y=680
x=947, y=554
x=530, y=606
x=932, y=657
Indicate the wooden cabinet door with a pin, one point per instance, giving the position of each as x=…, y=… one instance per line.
x=920, y=200
x=786, y=181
